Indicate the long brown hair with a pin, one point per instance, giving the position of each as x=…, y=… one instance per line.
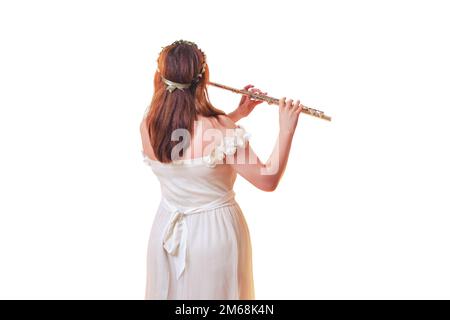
x=168, y=111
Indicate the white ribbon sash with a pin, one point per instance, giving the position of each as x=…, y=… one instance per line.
x=176, y=233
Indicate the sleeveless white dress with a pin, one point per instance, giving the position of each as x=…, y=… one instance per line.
x=199, y=245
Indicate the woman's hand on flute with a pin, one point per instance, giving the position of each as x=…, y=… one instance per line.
x=288, y=115
x=247, y=104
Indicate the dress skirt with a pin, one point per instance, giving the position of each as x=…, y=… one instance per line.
x=218, y=262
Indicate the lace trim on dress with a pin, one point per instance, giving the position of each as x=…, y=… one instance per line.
x=228, y=146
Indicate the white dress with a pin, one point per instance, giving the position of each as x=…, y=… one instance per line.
x=199, y=245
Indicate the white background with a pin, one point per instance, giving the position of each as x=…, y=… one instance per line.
x=362, y=210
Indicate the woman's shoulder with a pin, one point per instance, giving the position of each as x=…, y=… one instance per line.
x=220, y=122
x=227, y=127
x=227, y=122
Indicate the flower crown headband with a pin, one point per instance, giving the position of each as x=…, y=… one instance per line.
x=171, y=85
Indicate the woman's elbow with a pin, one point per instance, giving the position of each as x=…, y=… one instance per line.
x=269, y=185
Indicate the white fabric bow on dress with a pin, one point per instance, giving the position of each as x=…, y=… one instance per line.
x=176, y=233
x=174, y=240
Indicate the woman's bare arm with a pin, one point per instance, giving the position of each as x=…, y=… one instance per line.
x=266, y=176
